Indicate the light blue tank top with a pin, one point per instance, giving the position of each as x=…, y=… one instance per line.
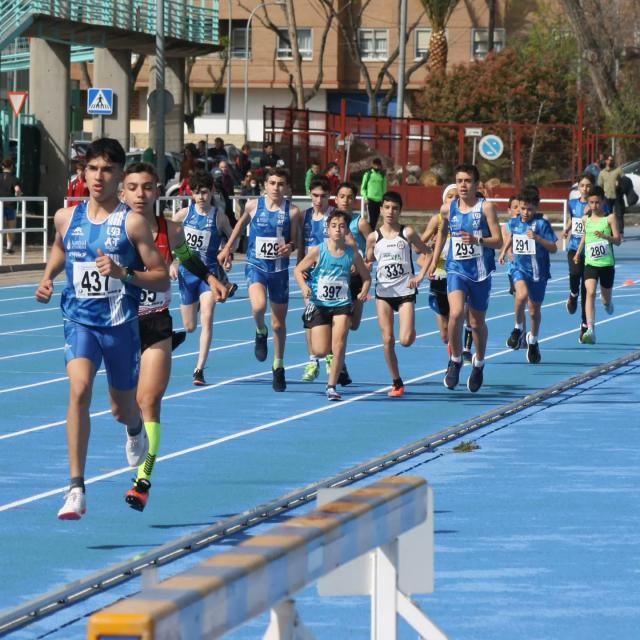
x=201, y=232
x=473, y=262
x=267, y=230
x=330, y=278
x=361, y=241
x=90, y=298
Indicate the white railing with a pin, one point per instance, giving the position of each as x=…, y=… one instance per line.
x=21, y=205
x=376, y=540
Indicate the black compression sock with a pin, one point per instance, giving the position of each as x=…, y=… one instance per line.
x=135, y=431
x=77, y=482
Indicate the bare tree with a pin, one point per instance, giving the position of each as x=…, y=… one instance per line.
x=349, y=21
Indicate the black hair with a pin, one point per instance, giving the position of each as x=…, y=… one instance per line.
x=376, y=161
x=595, y=190
x=107, y=148
x=515, y=196
x=280, y=172
x=348, y=185
x=141, y=167
x=321, y=182
x=467, y=167
x=585, y=176
x=339, y=213
x=531, y=195
x=201, y=179
x=392, y=196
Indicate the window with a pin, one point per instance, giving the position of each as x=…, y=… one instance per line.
x=374, y=44
x=422, y=37
x=305, y=44
x=480, y=41
x=213, y=104
x=238, y=32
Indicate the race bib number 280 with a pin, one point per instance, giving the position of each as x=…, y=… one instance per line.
x=596, y=250
x=88, y=282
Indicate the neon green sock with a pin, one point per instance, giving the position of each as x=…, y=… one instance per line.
x=277, y=363
x=153, y=433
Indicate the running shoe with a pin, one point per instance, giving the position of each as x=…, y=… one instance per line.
x=177, y=338
x=232, y=290
x=344, y=378
x=328, y=361
x=396, y=392
x=279, y=382
x=476, y=378
x=572, y=304
x=533, y=351
x=137, y=448
x=260, y=349
x=311, y=371
x=333, y=395
x=75, y=505
x=588, y=337
x=515, y=339
x=583, y=330
x=138, y=495
x=198, y=378
x=608, y=308
x=452, y=376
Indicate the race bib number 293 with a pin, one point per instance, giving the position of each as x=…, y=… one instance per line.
x=463, y=251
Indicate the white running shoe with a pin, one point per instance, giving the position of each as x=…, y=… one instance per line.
x=75, y=505
x=137, y=448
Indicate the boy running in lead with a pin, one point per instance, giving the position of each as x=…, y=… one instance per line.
x=140, y=193
x=530, y=241
x=601, y=232
x=204, y=225
x=108, y=255
x=327, y=294
x=275, y=232
x=396, y=282
x=475, y=235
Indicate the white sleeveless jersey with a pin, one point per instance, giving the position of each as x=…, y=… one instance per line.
x=394, y=266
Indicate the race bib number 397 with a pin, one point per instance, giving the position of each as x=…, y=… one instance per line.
x=463, y=251
x=330, y=290
x=267, y=248
x=89, y=283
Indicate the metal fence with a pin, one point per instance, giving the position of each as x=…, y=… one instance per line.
x=21, y=205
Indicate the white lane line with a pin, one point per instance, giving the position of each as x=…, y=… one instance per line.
x=275, y=423
x=49, y=326
x=31, y=353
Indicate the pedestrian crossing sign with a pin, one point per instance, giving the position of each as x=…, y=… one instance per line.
x=100, y=102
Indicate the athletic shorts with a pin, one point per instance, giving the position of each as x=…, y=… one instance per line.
x=316, y=316
x=536, y=289
x=355, y=285
x=605, y=275
x=10, y=213
x=276, y=282
x=395, y=303
x=118, y=346
x=155, y=327
x=438, y=300
x=191, y=287
x=475, y=293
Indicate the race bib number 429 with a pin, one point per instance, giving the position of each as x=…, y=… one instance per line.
x=267, y=248
x=463, y=251
x=88, y=282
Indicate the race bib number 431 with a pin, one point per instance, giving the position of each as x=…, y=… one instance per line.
x=267, y=248
x=88, y=282
x=463, y=251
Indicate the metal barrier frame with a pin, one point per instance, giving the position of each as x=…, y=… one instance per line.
x=23, y=230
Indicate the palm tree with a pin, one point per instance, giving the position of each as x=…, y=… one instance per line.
x=438, y=12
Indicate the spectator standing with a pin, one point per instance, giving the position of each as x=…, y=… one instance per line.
x=248, y=187
x=225, y=186
x=202, y=149
x=217, y=152
x=374, y=186
x=77, y=185
x=243, y=161
x=312, y=172
x=608, y=179
x=9, y=188
x=595, y=167
x=332, y=174
x=269, y=158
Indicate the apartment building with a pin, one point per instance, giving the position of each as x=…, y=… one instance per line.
x=264, y=58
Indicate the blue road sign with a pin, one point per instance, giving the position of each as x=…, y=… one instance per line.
x=490, y=147
x=100, y=102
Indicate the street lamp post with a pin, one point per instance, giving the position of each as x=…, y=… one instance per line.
x=279, y=3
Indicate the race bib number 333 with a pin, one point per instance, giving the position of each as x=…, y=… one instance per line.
x=89, y=283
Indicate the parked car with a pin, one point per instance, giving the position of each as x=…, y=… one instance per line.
x=632, y=171
x=172, y=163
